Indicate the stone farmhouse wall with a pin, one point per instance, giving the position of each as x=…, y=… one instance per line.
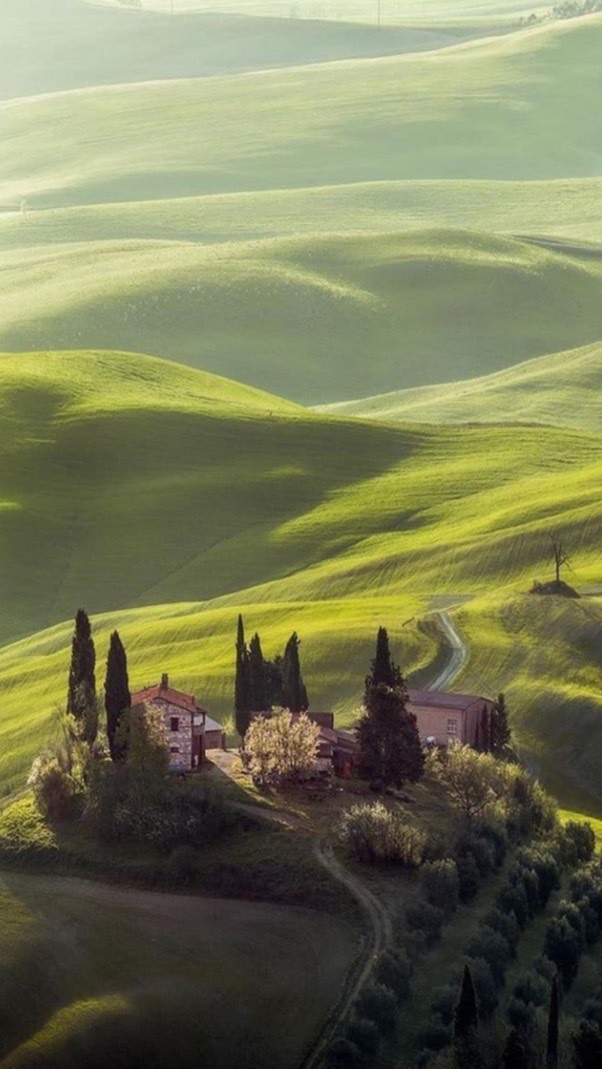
x=179, y=743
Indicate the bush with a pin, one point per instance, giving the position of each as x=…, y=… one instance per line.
x=531, y=987
x=435, y=1035
x=426, y=918
x=506, y=924
x=563, y=946
x=372, y=833
x=394, y=970
x=546, y=968
x=378, y=1004
x=492, y=948
x=440, y=884
x=54, y=789
x=521, y=1015
x=587, y=1044
x=443, y=1003
x=495, y=834
x=513, y=899
x=343, y=1054
x=468, y=878
x=529, y=881
x=481, y=849
x=578, y=843
x=545, y=865
x=364, y=1034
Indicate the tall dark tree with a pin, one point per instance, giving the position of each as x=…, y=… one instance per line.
x=466, y=1022
x=382, y=668
x=587, y=1044
x=117, y=692
x=81, y=694
x=389, y=743
x=294, y=693
x=552, y=1039
x=501, y=736
x=484, y=731
x=274, y=681
x=243, y=697
x=515, y=1054
x=259, y=676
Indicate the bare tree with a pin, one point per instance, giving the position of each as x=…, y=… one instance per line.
x=561, y=556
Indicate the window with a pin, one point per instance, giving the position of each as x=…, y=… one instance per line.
x=452, y=727
x=174, y=749
x=175, y=723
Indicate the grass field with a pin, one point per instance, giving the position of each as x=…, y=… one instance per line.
x=297, y=316
x=302, y=521
x=159, y=982
x=561, y=390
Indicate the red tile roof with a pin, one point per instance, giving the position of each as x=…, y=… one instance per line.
x=167, y=694
x=436, y=699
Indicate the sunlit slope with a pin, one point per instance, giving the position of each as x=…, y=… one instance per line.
x=562, y=390
x=447, y=114
x=51, y=45
x=80, y=998
x=392, y=11
x=298, y=317
x=545, y=653
x=566, y=208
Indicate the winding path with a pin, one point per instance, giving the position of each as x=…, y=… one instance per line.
x=459, y=653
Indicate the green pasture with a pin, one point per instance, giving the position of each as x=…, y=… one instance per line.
x=562, y=390
x=56, y=45
x=545, y=654
x=448, y=114
x=566, y=208
x=298, y=316
x=178, y=973
x=166, y=502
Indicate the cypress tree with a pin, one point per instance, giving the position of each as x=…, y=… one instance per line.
x=485, y=731
x=274, y=681
x=552, y=1040
x=117, y=692
x=389, y=743
x=466, y=1018
x=515, y=1054
x=243, y=699
x=81, y=694
x=258, y=676
x=382, y=668
x=501, y=735
x=294, y=693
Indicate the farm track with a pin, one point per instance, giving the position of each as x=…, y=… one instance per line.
x=459, y=653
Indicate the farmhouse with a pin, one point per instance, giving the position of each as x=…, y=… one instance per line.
x=446, y=718
x=337, y=750
x=189, y=730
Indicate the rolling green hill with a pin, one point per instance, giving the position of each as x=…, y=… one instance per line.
x=562, y=390
x=297, y=317
x=448, y=114
x=52, y=45
x=132, y=482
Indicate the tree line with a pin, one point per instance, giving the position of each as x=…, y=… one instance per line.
x=262, y=684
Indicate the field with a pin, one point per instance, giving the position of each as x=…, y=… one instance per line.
x=560, y=389
x=160, y=980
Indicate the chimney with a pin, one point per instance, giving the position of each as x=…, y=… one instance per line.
x=164, y=681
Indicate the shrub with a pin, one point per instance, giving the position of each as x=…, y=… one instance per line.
x=587, y=1044
x=53, y=787
x=513, y=899
x=440, y=884
x=481, y=849
x=544, y=967
x=443, y=1003
x=506, y=924
x=578, y=843
x=563, y=946
x=427, y=919
x=343, y=1054
x=496, y=834
x=394, y=970
x=378, y=1004
x=521, y=1015
x=529, y=881
x=435, y=1035
x=372, y=833
x=545, y=865
x=591, y=921
x=364, y=1034
x=468, y=877
x=531, y=987
x=492, y=948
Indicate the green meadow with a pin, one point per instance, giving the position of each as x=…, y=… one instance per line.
x=295, y=316
x=559, y=389
x=303, y=521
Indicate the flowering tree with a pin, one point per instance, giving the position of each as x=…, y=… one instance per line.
x=283, y=747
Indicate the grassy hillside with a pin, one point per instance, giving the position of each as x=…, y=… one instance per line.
x=569, y=208
x=52, y=45
x=163, y=979
x=562, y=390
x=545, y=653
x=298, y=316
x=134, y=483
x=447, y=114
